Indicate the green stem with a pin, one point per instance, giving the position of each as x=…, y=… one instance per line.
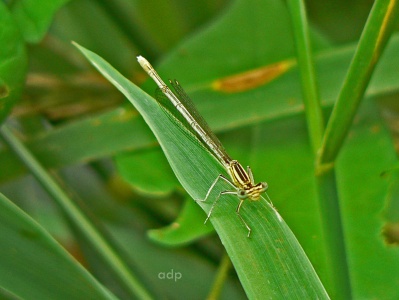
x=376, y=33
x=314, y=113
x=336, y=257
x=132, y=285
x=223, y=271
x=336, y=263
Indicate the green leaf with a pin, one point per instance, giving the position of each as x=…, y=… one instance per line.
x=136, y=170
x=187, y=227
x=57, y=148
x=271, y=262
x=34, y=18
x=34, y=266
x=73, y=23
x=13, y=62
x=368, y=153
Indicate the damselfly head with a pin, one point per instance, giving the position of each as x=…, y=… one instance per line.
x=255, y=192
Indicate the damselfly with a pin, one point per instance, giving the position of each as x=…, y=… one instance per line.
x=242, y=181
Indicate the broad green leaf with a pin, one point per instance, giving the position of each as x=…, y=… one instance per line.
x=271, y=262
x=34, y=266
x=369, y=152
x=34, y=18
x=12, y=62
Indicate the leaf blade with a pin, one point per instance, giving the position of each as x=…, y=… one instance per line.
x=28, y=244
x=283, y=270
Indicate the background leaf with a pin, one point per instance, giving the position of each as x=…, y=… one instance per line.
x=363, y=191
x=13, y=62
x=29, y=256
x=34, y=20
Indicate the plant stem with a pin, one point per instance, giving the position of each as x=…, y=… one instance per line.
x=376, y=33
x=314, y=113
x=221, y=276
x=133, y=285
x=337, y=263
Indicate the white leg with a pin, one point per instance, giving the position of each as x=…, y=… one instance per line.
x=241, y=218
x=269, y=200
x=216, y=200
x=213, y=185
x=251, y=176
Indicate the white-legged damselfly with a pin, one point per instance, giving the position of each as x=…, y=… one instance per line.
x=241, y=180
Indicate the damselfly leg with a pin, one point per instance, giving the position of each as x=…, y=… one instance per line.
x=236, y=192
